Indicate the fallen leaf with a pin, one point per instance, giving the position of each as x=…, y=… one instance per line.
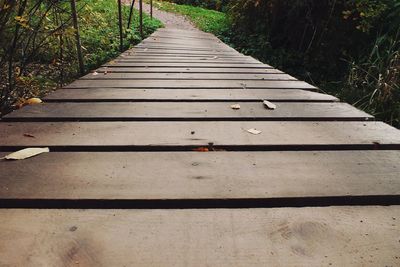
x=201, y=149
x=27, y=153
x=95, y=73
x=269, y=105
x=32, y=101
x=215, y=57
x=244, y=86
x=235, y=106
x=29, y=135
x=254, y=131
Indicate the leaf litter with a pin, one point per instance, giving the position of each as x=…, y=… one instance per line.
x=26, y=153
x=269, y=105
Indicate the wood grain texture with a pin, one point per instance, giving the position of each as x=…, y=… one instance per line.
x=224, y=84
x=187, y=111
x=186, y=60
x=187, y=76
x=337, y=236
x=192, y=175
x=188, y=65
x=155, y=50
x=114, y=69
x=170, y=134
x=186, y=95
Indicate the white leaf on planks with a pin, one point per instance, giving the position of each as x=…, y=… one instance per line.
x=27, y=153
x=254, y=131
x=269, y=105
x=95, y=73
x=235, y=106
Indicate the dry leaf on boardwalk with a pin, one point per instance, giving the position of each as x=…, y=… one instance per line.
x=33, y=101
x=30, y=101
x=269, y=105
x=27, y=153
x=235, y=106
x=95, y=73
x=254, y=131
x=201, y=149
x=29, y=135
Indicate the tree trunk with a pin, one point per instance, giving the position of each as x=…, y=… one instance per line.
x=77, y=37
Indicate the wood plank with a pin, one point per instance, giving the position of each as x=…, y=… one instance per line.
x=160, y=55
x=189, y=65
x=232, y=135
x=164, y=51
x=285, y=111
x=113, y=69
x=183, y=37
x=187, y=76
x=182, y=51
x=186, y=60
x=189, y=61
x=186, y=95
x=329, y=236
x=174, y=47
x=189, y=175
x=206, y=84
x=188, y=42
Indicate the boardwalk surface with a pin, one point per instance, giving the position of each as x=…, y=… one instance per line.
x=128, y=181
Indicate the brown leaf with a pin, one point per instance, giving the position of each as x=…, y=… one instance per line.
x=29, y=135
x=201, y=149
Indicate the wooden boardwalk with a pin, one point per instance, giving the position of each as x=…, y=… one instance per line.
x=125, y=183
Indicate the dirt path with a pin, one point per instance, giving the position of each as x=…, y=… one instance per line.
x=170, y=20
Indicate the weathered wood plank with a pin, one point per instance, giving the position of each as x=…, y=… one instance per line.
x=133, y=135
x=187, y=76
x=159, y=55
x=183, y=47
x=113, y=69
x=186, y=60
x=188, y=65
x=204, y=43
x=190, y=175
x=182, y=52
x=186, y=95
x=284, y=111
x=337, y=236
x=206, y=84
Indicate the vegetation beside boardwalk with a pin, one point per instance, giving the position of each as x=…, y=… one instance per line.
x=349, y=48
x=38, y=49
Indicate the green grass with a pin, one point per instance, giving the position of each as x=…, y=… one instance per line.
x=46, y=70
x=207, y=20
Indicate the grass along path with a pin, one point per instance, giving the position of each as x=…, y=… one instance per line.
x=206, y=20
